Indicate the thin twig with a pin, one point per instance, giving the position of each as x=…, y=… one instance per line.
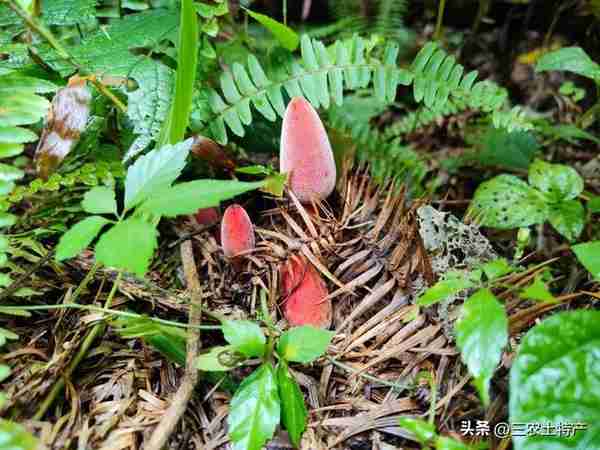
x=171, y=417
x=97, y=330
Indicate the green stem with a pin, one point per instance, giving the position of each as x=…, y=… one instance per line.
x=398, y=387
x=438, y=25
x=9, y=309
x=85, y=346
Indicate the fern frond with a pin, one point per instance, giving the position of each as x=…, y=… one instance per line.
x=438, y=77
x=321, y=75
x=420, y=118
x=386, y=159
x=514, y=119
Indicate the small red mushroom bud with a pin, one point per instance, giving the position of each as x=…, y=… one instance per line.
x=237, y=231
x=305, y=153
x=207, y=216
x=304, y=293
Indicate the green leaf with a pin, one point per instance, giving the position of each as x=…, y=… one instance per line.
x=593, y=204
x=218, y=359
x=16, y=135
x=448, y=443
x=423, y=431
x=500, y=148
x=100, y=200
x=6, y=335
x=508, y=202
x=187, y=198
x=154, y=172
x=497, y=268
x=293, y=409
x=4, y=372
x=568, y=218
x=538, y=291
x=129, y=245
x=78, y=237
x=15, y=437
x=303, y=344
x=588, y=254
x=68, y=12
x=254, y=410
x=558, y=181
x=570, y=59
x=245, y=336
x=481, y=335
x=284, y=34
x=554, y=380
x=187, y=63
x=453, y=282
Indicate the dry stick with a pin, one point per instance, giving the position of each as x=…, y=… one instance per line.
x=165, y=427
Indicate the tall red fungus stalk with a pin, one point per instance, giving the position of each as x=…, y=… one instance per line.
x=237, y=231
x=307, y=158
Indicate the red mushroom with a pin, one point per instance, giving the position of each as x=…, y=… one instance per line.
x=304, y=293
x=305, y=153
x=207, y=216
x=237, y=231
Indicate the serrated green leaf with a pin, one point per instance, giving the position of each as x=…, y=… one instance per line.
x=293, y=409
x=422, y=430
x=254, y=410
x=481, y=335
x=78, y=237
x=588, y=254
x=68, y=12
x=245, y=336
x=129, y=246
x=284, y=34
x=453, y=283
x=554, y=380
x=568, y=218
x=508, y=202
x=303, y=344
x=100, y=200
x=538, y=291
x=15, y=437
x=558, y=181
x=217, y=359
x=570, y=59
x=187, y=198
x=154, y=172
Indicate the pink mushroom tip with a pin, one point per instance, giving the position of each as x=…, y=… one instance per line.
x=237, y=231
x=305, y=153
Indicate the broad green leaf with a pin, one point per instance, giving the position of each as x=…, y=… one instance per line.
x=558, y=181
x=452, y=283
x=481, y=335
x=154, y=172
x=568, y=218
x=100, y=200
x=78, y=237
x=570, y=59
x=10, y=173
x=187, y=63
x=16, y=135
x=15, y=437
x=423, y=431
x=498, y=147
x=21, y=108
x=588, y=254
x=254, y=410
x=538, y=291
x=189, y=197
x=245, y=336
x=218, y=359
x=285, y=35
x=293, y=409
x=497, y=268
x=554, y=379
x=508, y=202
x=129, y=246
x=448, y=443
x=68, y=12
x=593, y=204
x=7, y=335
x=303, y=344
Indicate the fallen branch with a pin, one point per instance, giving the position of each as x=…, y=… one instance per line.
x=171, y=417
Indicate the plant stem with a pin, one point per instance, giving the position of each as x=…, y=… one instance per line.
x=171, y=417
x=85, y=346
x=38, y=28
x=114, y=312
x=438, y=25
x=285, y=12
x=396, y=386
